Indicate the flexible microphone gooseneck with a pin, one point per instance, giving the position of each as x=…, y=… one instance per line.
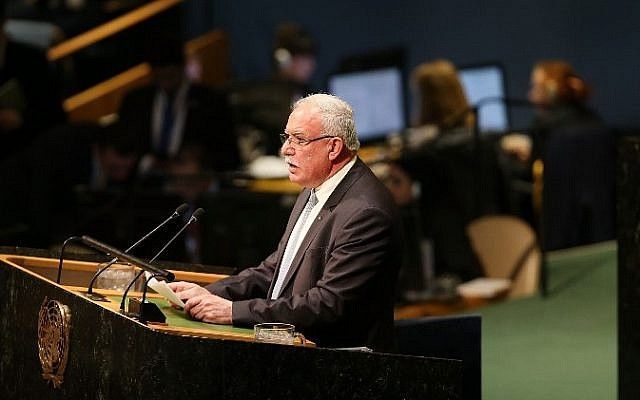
x=64, y=245
x=177, y=213
x=197, y=214
x=105, y=248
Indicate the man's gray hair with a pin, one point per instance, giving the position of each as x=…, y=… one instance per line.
x=337, y=117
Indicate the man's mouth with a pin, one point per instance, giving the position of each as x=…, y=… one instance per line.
x=290, y=163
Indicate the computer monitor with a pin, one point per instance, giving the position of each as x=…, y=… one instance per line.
x=377, y=99
x=484, y=86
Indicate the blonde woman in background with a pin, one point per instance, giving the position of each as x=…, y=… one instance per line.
x=438, y=176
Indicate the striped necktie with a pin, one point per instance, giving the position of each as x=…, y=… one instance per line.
x=292, y=247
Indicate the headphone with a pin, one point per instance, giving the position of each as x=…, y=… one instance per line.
x=552, y=89
x=282, y=57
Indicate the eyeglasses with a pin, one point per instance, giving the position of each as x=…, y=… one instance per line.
x=300, y=141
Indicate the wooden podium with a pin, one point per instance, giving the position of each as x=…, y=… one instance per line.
x=58, y=344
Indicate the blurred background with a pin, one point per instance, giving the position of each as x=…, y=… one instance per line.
x=494, y=124
x=115, y=112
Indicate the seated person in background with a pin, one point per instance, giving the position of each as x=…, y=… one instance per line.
x=189, y=178
x=333, y=274
x=455, y=185
x=440, y=99
x=578, y=151
x=59, y=162
x=559, y=96
x=29, y=94
x=172, y=113
x=294, y=58
x=262, y=108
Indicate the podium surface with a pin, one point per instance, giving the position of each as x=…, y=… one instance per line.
x=109, y=355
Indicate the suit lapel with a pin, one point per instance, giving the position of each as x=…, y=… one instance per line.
x=320, y=221
x=293, y=217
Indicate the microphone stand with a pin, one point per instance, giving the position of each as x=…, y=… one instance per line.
x=64, y=245
x=146, y=311
x=105, y=248
x=175, y=214
x=197, y=214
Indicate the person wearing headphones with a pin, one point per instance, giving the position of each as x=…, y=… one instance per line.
x=559, y=96
x=294, y=57
x=262, y=107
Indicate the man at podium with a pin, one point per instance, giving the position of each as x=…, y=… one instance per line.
x=333, y=273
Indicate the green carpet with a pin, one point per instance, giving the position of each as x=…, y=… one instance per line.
x=561, y=347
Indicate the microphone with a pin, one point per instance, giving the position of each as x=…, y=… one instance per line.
x=197, y=214
x=105, y=248
x=177, y=213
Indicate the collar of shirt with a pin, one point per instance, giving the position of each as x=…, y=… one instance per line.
x=327, y=187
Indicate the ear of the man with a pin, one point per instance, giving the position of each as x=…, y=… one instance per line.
x=335, y=148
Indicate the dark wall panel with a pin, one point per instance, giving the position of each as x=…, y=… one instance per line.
x=599, y=37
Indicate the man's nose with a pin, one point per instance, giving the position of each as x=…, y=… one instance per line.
x=286, y=149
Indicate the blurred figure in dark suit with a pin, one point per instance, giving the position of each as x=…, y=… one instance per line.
x=38, y=187
x=29, y=93
x=294, y=58
x=172, y=113
x=261, y=108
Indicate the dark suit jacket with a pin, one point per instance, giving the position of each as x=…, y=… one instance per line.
x=339, y=290
x=41, y=91
x=579, y=202
x=208, y=123
x=37, y=185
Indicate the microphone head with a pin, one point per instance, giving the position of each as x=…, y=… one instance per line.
x=197, y=214
x=181, y=209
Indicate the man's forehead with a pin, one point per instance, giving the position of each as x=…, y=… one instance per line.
x=305, y=118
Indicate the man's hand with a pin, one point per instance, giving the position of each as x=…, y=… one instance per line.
x=201, y=304
x=209, y=308
x=187, y=290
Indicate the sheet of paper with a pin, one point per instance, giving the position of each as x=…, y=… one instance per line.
x=484, y=287
x=164, y=290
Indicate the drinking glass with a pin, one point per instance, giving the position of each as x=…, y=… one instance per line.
x=276, y=332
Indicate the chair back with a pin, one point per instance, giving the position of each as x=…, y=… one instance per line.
x=507, y=248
